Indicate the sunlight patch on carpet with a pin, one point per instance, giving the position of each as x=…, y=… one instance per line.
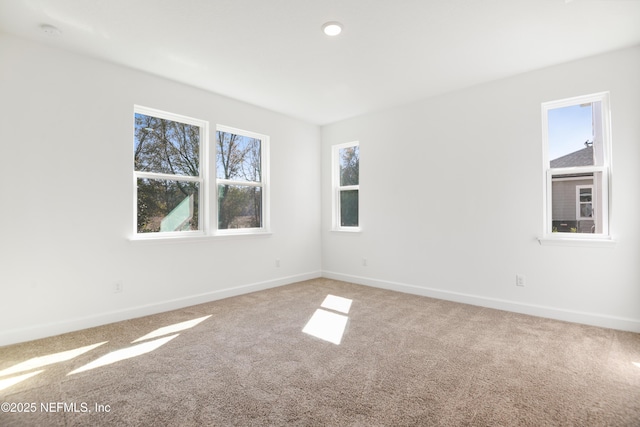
x=326, y=325
x=38, y=362
x=165, y=330
x=332, y=302
x=8, y=382
x=125, y=353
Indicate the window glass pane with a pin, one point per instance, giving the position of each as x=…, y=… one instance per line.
x=586, y=210
x=565, y=217
x=571, y=136
x=239, y=206
x=349, y=165
x=238, y=157
x=585, y=205
x=165, y=146
x=349, y=208
x=167, y=205
x=585, y=195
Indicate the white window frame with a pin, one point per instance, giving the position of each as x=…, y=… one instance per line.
x=201, y=179
x=337, y=189
x=263, y=184
x=602, y=130
x=579, y=204
x=207, y=183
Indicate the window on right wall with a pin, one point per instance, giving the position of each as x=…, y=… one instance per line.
x=577, y=162
x=346, y=186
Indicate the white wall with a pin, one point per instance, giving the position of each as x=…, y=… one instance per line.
x=66, y=128
x=452, y=192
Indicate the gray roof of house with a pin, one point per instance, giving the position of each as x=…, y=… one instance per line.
x=582, y=157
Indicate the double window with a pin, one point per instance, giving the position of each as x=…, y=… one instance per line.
x=346, y=186
x=172, y=177
x=577, y=147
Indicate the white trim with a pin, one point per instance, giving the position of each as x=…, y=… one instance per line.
x=176, y=235
x=585, y=170
x=192, y=238
x=573, y=178
x=255, y=231
x=575, y=239
x=48, y=329
x=239, y=183
x=594, y=319
x=167, y=176
x=347, y=230
x=147, y=111
x=577, y=100
x=237, y=131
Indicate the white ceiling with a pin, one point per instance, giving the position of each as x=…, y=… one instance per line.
x=272, y=53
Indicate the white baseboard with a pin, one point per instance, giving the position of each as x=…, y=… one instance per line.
x=56, y=328
x=593, y=319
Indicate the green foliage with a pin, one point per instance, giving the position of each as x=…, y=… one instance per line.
x=239, y=206
x=349, y=208
x=157, y=199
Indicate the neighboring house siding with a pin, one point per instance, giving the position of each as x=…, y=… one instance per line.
x=586, y=226
x=564, y=205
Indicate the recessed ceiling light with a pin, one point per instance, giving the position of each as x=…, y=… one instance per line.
x=50, y=30
x=332, y=28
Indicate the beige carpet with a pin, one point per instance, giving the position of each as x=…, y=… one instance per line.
x=402, y=360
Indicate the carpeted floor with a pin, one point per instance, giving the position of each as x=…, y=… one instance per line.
x=402, y=360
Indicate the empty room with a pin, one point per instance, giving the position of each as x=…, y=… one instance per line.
x=189, y=237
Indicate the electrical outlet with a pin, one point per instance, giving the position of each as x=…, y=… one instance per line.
x=277, y=263
x=118, y=287
x=520, y=280
x=364, y=262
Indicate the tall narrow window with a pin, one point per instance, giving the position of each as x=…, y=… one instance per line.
x=241, y=178
x=577, y=148
x=346, y=185
x=168, y=173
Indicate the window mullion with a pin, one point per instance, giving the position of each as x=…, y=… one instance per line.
x=221, y=181
x=577, y=170
x=167, y=176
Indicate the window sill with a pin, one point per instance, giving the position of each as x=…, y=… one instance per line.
x=197, y=238
x=353, y=230
x=604, y=242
